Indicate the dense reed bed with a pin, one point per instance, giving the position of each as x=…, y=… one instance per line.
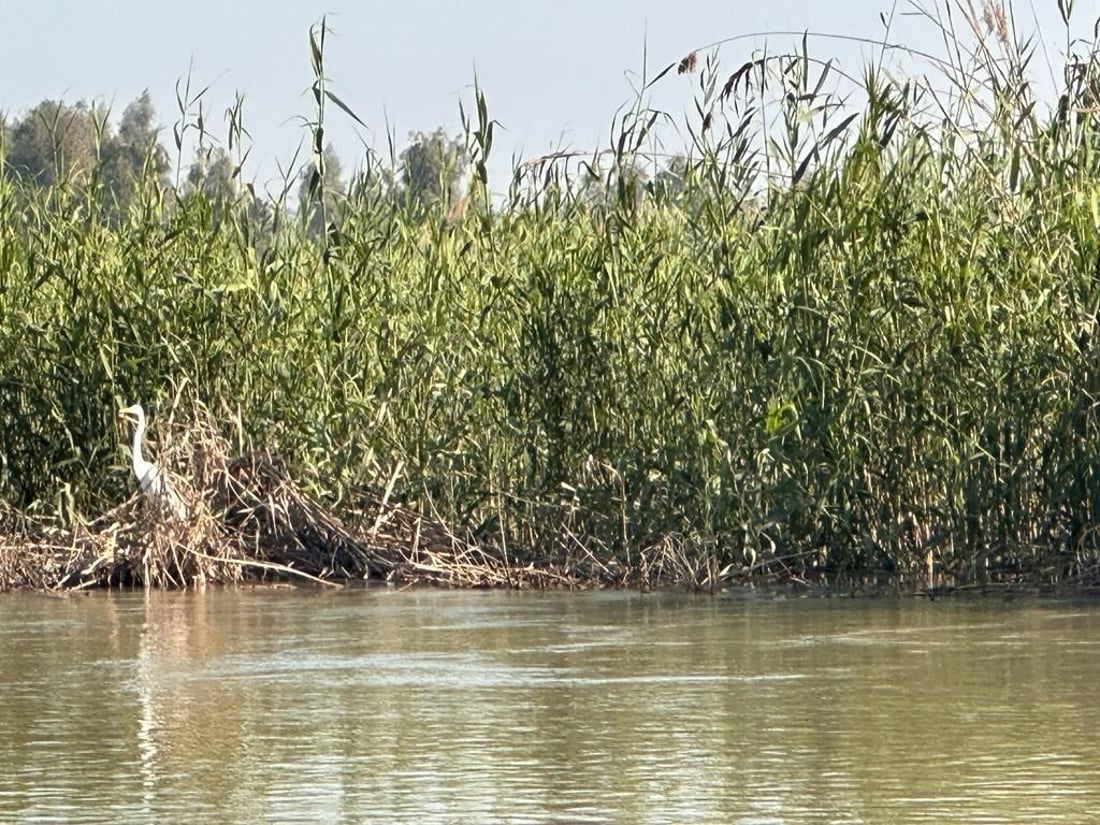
x=852, y=334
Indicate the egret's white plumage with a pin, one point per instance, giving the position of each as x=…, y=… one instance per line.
x=153, y=481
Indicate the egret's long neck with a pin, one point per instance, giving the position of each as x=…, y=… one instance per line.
x=138, y=433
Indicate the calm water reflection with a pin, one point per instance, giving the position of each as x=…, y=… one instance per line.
x=442, y=707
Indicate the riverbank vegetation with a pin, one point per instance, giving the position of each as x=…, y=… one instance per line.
x=846, y=327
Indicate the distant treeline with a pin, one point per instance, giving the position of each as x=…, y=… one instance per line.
x=77, y=143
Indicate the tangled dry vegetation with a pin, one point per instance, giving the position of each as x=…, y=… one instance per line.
x=248, y=521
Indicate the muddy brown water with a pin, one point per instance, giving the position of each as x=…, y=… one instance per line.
x=430, y=706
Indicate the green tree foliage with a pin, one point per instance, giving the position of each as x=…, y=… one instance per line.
x=320, y=191
x=214, y=188
x=213, y=175
x=53, y=141
x=135, y=154
x=433, y=167
x=57, y=141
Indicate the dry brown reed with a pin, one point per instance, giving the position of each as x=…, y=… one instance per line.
x=688, y=64
x=248, y=521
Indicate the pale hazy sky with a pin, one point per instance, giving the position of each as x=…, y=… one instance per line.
x=554, y=72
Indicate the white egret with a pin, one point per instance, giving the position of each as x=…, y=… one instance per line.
x=152, y=479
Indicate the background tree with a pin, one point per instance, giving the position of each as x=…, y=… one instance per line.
x=433, y=167
x=134, y=154
x=212, y=175
x=54, y=141
x=214, y=181
x=320, y=191
x=57, y=141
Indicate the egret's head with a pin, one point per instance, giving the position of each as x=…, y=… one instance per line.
x=134, y=414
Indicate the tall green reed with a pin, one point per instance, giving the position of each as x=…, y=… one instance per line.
x=862, y=327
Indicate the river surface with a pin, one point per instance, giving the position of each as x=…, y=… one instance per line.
x=430, y=706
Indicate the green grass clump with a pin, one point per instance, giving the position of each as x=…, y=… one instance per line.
x=858, y=323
